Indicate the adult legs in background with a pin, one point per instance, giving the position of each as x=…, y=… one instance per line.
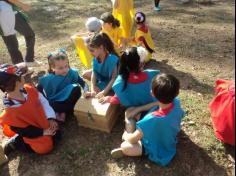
x=23, y=27
x=13, y=48
x=157, y=5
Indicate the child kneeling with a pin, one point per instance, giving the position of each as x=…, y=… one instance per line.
x=155, y=134
x=27, y=117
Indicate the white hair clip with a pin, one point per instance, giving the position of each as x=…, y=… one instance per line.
x=143, y=53
x=139, y=17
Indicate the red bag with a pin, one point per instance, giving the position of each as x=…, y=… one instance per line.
x=223, y=111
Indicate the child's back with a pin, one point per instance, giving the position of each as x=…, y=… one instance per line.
x=133, y=84
x=155, y=134
x=160, y=129
x=136, y=93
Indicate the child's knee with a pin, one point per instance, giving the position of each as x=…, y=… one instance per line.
x=124, y=145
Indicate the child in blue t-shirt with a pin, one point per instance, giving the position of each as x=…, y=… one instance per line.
x=104, y=65
x=155, y=134
x=62, y=85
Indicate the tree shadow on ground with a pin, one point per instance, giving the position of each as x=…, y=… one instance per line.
x=189, y=160
x=229, y=149
x=188, y=82
x=50, y=19
x=81, y=152
x=87, y=152
x=4, y=170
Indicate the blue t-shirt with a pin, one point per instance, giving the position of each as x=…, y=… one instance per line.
x=159, y=134
x=57, y=87
x=103, y=71
x=135, y=94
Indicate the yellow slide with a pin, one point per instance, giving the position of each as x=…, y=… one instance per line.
x=82, y=51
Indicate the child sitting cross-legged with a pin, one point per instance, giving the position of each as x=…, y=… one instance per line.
x=155, y=134
x=27, y=116
x=62, y=85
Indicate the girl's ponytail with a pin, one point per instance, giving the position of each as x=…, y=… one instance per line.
x=107, y=17
x=124, y=69
x=116, y=23
x=129, y=62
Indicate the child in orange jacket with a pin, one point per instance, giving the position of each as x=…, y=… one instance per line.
x=27, y=117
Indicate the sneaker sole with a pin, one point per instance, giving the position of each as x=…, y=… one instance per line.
x=117, y=153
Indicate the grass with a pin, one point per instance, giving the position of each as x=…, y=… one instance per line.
x=194, y=41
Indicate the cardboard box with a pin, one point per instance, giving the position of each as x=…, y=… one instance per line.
x=92, y=114
x=3, y=158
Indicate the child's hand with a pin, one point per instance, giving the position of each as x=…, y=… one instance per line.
x=104, y=100
x=49, y=132
x=53, y=125
x=100, y=95
x=89, y=94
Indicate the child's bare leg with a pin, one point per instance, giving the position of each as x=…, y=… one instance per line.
x=130, y=120
x=131, y=149
x=130, y=125
x=127, y=149
x=87, y=75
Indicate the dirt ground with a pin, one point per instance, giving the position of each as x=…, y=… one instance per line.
x=194, y=41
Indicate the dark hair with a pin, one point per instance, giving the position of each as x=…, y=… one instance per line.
x=10, y=84
x=102, y=39
x=60, y=55
x=129, y=62
x=107, y=17
x=165, y=87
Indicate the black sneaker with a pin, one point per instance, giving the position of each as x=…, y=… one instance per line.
x=9, y=147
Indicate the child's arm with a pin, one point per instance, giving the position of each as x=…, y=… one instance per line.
x=134, y=137
x=20, y=4
x=29, y=131
x=33, y=132
x=82, y=34
x=110, y=99
x=132, y=112
x=94, y=88
x=50, y=113
x=109, y=86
